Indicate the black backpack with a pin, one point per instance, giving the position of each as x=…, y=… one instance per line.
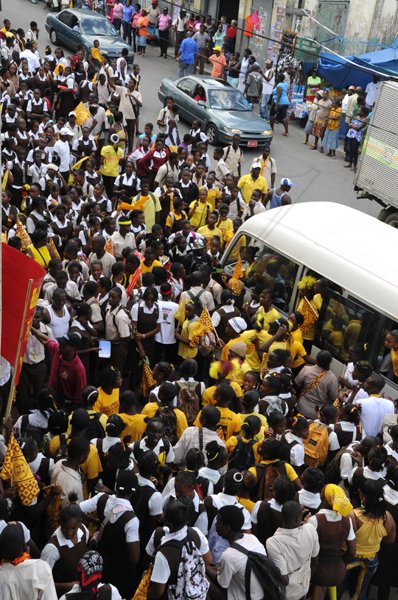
x=267, y=573
x=95, y=429
x=242, y=456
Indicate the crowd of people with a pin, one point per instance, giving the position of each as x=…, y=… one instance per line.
x=330, y=121
x=183, y=440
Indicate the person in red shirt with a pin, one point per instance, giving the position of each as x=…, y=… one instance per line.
x=230, y=38
x=67, y=373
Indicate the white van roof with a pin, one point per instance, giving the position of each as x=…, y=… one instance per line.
x=347, y=246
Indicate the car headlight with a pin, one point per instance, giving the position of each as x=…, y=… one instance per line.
x=232, y=131
x=267, y=132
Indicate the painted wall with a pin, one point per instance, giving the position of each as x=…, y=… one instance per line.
x=365, y=24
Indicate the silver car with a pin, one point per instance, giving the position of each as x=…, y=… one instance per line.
x=223, y=110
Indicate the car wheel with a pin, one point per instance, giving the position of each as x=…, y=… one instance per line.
x=212, y=133
x=53, y=36
x=392, y=219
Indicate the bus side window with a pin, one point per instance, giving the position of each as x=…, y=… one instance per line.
x=342, y=323
x=383, y=363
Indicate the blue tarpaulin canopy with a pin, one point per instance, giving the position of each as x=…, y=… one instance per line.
x=341, y=73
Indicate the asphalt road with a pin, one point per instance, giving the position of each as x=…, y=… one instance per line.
x=316, y=176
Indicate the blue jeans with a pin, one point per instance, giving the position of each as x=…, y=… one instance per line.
x=184, y=69
x=264, y=109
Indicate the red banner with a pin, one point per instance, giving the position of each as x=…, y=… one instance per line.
x=21, y=281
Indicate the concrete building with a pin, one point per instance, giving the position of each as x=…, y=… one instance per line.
x=361, y=25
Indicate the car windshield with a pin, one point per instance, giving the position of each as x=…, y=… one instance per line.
x=97, y=27
x=227, y=99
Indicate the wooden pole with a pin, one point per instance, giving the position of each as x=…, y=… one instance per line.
x=17, y=357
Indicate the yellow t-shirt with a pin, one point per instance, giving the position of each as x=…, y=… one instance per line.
x=135, y=426
x=213, y=195
x=146, y=269
x=394, y=360
x=110, y=168
x=227, y=229
x=108, y=404
x=247, y=185
x=229, y=421
x=188, y=330
x=252, y=358
x=150, y=409
x=265, y=318
x=208, y=394
x=151, y=207
x=290, y=472
x=296, y=349
x=240, y=243
x=199, y=215
x=208, y=233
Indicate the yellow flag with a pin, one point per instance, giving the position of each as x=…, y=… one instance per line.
x=205, y=325
x=137, y=205
x=109, y=246
x=16, y=469
x=82, y=113
x=23, y=235
x=148, y=380
x=238, y=270
x=53, y=246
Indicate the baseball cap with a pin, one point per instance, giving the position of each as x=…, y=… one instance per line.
x=52, y=166
x=256, y=165
x=65, y=131
x=351, y=87
x=72, y=112
x=288, y=182
x=217, y=48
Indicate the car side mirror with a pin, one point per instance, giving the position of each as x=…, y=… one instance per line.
x=202, y=103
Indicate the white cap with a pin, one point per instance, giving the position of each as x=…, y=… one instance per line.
x=52, y=166
x=65, y=131
x=238, y=324
x=256, y=165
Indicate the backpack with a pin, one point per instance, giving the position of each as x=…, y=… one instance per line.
x=333, y=468
x=271, y=472
x=242, y=456
x=316, y=446
x=265, y=571
x=196, y=297
x=192, y=583
x=62, y=451
x=169, y=419
x=95, y=429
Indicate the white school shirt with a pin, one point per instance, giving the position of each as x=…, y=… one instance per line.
x=167, y=312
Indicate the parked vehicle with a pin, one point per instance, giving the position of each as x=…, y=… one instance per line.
x=377, y=174
x=224, y=112
x=73, y=27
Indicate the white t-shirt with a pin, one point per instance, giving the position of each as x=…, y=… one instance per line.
x=231, y=574
x=167, y=312
x=63, y=151
x=373, y=412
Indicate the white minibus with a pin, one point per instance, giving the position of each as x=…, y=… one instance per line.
x=358, y=255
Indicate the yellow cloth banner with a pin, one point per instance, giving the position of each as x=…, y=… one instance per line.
x=82, y=113
x=137, y=205
x=16, y=469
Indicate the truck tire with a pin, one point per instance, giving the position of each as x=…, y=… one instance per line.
x=392, y=219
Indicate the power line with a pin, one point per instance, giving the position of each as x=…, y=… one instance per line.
x=281, y=43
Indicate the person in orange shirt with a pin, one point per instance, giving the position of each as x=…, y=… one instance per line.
x=142, y=27
x=218, y=61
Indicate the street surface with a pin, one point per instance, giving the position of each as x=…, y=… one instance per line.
x=316, y=176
